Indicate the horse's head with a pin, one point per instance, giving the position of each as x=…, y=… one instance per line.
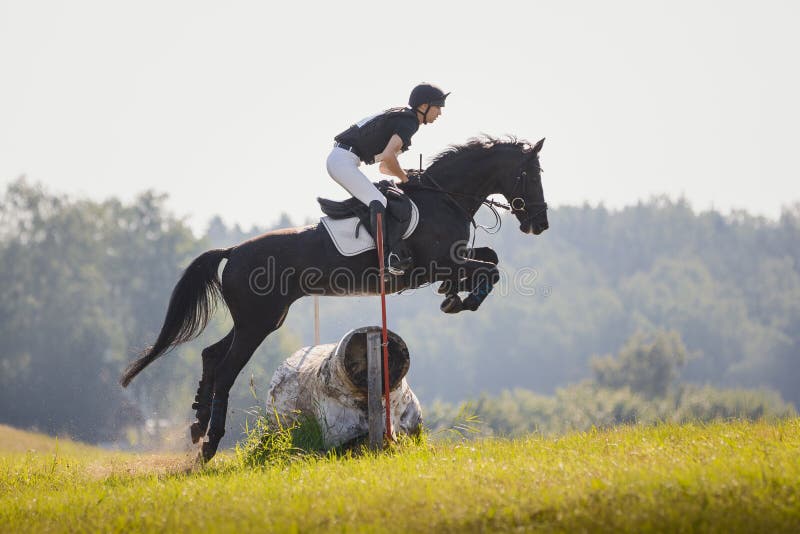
x=522, y=187
x=487, y=165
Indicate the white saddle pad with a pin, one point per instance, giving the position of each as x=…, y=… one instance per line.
x=343, y=233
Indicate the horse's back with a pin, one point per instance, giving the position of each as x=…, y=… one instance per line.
x=298, y=248
x=280, y=241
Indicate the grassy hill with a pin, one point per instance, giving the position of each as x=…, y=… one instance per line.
x=38, y=458
x=731, y=476
x=13, y=440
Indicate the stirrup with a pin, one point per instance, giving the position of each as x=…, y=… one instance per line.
x=392, y=262
x=393, y=270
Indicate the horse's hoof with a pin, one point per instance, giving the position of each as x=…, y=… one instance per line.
x=197, y=431
x=207, y=451
x=471, y=303
x=452, y=304
x=445, y=287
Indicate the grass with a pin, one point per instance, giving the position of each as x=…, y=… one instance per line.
x=724, y=477
x=269, y=440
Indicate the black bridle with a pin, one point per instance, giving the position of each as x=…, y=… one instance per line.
x=516, y=205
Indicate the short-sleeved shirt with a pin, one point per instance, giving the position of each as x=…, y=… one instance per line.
x=369, y=136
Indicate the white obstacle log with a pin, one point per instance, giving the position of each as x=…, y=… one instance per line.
x=329, y=384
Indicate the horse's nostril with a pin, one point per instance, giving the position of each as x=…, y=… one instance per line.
x=540, y=228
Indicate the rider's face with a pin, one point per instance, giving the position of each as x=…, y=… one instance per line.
x=433, y=112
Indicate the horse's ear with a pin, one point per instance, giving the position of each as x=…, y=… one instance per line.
x=538, y=146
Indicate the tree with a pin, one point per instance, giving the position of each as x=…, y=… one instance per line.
x=647, y=364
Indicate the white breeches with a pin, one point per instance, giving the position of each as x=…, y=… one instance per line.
x=343, y=167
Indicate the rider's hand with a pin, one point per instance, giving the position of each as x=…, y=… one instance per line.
x=386, y=170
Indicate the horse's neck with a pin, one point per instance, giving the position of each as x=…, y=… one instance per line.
x=472, y=188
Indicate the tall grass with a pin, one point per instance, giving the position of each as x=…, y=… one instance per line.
x=270, y=440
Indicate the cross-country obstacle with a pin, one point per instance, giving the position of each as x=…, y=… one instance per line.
x=330, y=383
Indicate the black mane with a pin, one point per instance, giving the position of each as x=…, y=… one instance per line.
x=477, y=145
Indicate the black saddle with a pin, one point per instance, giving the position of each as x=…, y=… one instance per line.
x=398, y=208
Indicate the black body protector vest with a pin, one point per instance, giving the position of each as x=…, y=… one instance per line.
x=369, y=136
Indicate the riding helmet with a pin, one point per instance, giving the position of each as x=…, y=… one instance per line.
x=427, y=93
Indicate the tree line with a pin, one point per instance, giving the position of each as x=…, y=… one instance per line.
x=84, y=286
x=638, y=385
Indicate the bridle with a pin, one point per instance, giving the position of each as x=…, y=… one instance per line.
x=516, y=205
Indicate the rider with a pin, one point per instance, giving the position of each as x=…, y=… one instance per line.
x=380, y=138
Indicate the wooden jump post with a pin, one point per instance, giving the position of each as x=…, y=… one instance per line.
x=378, y=425
x=374, y=413
x=316, y=319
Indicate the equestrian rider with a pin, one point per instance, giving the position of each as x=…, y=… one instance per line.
x=380, y=138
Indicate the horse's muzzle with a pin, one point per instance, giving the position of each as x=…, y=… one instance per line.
x=539, y=228
x=528, y=227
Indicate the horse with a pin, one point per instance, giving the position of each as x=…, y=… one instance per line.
x=265, y=275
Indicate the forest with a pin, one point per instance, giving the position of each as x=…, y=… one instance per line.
x=668, y=308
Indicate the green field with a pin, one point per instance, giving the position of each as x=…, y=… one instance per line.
x=724, y=477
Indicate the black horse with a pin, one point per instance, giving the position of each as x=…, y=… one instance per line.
x=265, y=275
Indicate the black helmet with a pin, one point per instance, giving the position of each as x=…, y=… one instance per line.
x=426, y=93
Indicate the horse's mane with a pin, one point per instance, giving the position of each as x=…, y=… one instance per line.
x=475, y=145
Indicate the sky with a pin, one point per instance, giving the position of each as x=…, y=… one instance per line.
x=231, y=108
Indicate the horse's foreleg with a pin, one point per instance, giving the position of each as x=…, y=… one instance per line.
x=478, y=275
x=486, y=254
x=212, y=356
x=451, y=286
x=483, y=281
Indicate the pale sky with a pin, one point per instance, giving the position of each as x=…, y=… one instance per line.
x=231, y=107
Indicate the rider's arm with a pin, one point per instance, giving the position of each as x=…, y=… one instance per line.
x=389, y=164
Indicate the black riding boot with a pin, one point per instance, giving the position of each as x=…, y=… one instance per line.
x=396, y=257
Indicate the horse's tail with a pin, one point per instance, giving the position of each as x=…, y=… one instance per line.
x=190, y=307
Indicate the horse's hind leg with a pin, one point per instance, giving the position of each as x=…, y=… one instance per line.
x=246, y=340
x=212, y=355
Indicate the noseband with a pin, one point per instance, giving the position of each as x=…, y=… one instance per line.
x=517, y=204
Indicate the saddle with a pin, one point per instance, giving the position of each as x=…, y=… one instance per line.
x=398, y=207
x=345, y=218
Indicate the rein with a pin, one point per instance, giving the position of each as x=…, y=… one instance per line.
x=516, y=205
x=449, y=194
